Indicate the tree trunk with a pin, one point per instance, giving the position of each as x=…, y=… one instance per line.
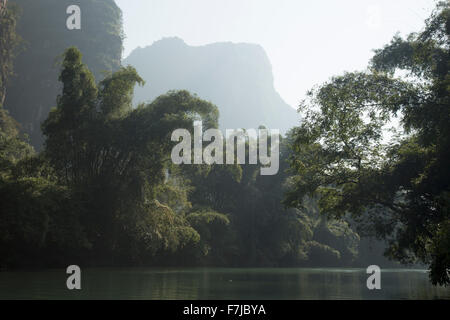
x=2, y=6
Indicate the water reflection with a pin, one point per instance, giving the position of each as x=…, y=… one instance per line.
x=220, y=283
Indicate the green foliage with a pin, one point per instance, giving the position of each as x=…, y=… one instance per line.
x=441, y=254
x=12, y=147
x=38, y=222
x=163, y=230
x=115, y=158
x=400, y=187
x=9, y=42
x=42, y=25
x=261, y=232
x=340, y=237
x=116, y=93
x=175, y=191
x=91, y=194
x=103, y=190
x=323, y=255
x=215, y=236
x=215, y=186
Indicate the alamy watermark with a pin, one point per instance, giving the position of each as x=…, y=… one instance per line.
x=374, y=280
x=73, y=22
x=74, y=280
x=257, y=141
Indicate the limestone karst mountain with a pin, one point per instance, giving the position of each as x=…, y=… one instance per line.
x=236, y=77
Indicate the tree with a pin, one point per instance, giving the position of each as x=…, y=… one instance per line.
x=402, y=186
x=115, y=157
x=9, y=41
x=42, y=25
x=216, y=239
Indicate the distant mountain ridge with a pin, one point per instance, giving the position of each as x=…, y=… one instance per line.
x=236, y=77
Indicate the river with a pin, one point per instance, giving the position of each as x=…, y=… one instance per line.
x=220, y=283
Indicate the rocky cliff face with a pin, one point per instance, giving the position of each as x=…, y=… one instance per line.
x=236, y=77
x=33, y=90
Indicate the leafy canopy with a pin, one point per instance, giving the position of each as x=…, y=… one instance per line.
x=401, y=187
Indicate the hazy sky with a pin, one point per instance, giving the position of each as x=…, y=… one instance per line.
x=307, y=42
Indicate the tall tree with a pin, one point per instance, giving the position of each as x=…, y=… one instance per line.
x=401, y=187
x=42, y=25
x=9, y=41
x=115, y=157
x=12, y=146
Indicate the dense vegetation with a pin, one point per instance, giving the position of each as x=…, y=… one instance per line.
x=399, y=190
x=33, y=88
x=103, y=191
x=9, y=41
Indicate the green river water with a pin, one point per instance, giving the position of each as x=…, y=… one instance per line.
x=220, y=283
